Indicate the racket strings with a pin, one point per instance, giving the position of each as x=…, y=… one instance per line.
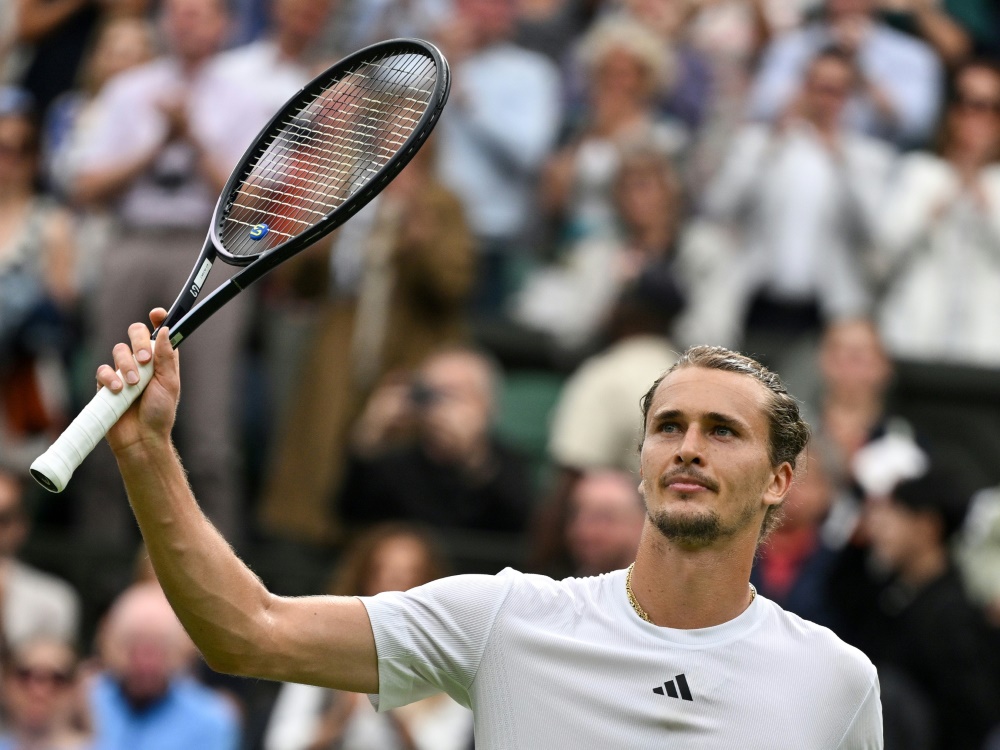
x=328, y=150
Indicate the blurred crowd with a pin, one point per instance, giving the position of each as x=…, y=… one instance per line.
x=451, y=381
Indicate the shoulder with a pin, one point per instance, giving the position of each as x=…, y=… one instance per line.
x=518, y=60
x=924, y=167
x=818, y=651
x=141, y=79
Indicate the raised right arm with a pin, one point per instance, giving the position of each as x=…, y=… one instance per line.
x=239, y=626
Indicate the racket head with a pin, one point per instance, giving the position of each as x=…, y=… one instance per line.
x=331, y=149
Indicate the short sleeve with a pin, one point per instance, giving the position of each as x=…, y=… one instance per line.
x=432, y=638
x=865, y=731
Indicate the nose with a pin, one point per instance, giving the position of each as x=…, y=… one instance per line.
x=689, y=451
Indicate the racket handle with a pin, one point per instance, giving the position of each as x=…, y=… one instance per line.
x=53, y=468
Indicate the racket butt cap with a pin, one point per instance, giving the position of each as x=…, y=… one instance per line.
x=50, y=472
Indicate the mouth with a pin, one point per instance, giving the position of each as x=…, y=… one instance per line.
x=688, y=484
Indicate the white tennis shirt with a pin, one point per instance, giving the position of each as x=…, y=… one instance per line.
x=568, y=664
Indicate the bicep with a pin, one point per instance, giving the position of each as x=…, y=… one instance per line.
x=321, y=640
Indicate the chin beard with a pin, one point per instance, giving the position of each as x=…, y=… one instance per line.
x=698, y=529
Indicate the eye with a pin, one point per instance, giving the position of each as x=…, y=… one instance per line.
x=723, y=431
x=670, y=427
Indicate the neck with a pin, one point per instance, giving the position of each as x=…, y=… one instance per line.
x=687, y=589
x=12, y=194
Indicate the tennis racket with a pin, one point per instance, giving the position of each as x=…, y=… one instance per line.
x=331, y=149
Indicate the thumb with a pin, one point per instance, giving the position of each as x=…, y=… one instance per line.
x=165, y=360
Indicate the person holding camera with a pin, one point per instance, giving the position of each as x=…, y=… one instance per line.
x=424, y=451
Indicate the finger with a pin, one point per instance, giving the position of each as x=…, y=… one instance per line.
x=156, y=316
x=125, y=363
x=138, y=335
x=165, y=361
x=108, y=378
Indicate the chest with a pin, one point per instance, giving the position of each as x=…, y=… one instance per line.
x=563, y=692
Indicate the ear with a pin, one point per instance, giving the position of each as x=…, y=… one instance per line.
x=781, y=482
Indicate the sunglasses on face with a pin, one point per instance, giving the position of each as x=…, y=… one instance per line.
x=39, y=676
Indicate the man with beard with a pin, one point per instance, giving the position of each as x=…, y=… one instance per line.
x=676, y=650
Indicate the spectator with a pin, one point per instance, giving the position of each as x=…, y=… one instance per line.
x=32, y=603
x=852, y=406
x=804, y=192
x=242, y=88
x=691, y=96
x=940, y=231
x=572, y=301
x=121, y=43
x=37, y=291
x=40, y=697
x=500, y=124
x=899, y=77
x=626, y=67
x=403, y=296
x=144, y=698
x=147, y=161
x=595, y=426
x=605, y=522
x=454, y=473
x=390, y=557
x=931, y=632
x=792, y=567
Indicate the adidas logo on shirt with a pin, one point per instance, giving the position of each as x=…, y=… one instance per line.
x=671, y=688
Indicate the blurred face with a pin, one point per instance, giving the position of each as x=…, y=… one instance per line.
x=810, y=497
x=144, y=645
x=619, y=73
x=845, y=8
x=399, y=564
x=303, y=19
x=973, y=121
x=644, y=195
x=853, y=361
x=17, y=151
x=38, y=686
x=490, y=20
x=13, y=525
x=124, y=44
x=898, y=534
x=455, y=410
x=706, y=472
x=828, y=86
x=606, y=523
x=195, y=29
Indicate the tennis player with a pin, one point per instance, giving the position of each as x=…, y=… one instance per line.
x=676, y=651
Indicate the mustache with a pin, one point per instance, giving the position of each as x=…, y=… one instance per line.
x=697, y=476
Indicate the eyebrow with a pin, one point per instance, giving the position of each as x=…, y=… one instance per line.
x=712, y=416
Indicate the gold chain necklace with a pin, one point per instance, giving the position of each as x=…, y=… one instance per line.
x=638, y=607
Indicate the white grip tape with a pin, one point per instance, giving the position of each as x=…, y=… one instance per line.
x=59, y=462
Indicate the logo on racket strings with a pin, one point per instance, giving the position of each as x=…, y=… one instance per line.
x=259, y=232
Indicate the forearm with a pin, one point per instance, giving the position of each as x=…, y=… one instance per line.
x=221, y=603
x=946, y=36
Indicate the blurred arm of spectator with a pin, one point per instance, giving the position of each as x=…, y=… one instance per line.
x=730, y=195
x=934, y=24
x=387, y=418
x=36, y=18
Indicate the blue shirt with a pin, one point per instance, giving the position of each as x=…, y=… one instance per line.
x=189, y=717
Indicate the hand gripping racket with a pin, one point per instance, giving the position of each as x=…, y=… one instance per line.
x=327, y=153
